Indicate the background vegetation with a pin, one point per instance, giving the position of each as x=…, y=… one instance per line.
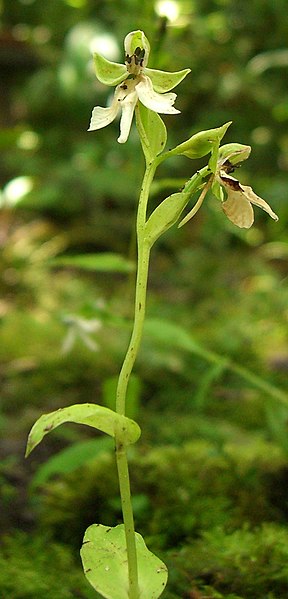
x=209, y=475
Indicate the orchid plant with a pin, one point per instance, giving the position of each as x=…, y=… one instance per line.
x=116, y=560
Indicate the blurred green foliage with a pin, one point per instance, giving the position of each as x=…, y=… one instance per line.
x=210, y=473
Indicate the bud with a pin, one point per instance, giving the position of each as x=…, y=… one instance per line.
x=201, y=143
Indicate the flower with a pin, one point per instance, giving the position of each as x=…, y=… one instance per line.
x=238, y=203
x=134, y=81
x=80, y=328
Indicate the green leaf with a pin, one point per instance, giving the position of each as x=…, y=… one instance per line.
x=165, y=216
x=201, y=143
x=105, y=420
x=109, y=73
x=168, y=333
x=152, y=132
x=164, y=81
x=106, y=262
x=205, y=383
x=277, y=418
x=71, y=458
x=104, y=559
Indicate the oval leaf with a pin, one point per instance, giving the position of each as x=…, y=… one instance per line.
x=165, y=215
x=152, y=131
x=104, y=559
x=105, y=420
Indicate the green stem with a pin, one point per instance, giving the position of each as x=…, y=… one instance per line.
x=128, y=519
x=143, y=254
x=140, y=305
x=140, y=294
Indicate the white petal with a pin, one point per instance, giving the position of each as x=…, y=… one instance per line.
x=127, y=106
x=68, y=341
x=162, y=103
x=88, y=326
x=254, y=199
x=90, y=343
x=238, y=209
x=101, y=117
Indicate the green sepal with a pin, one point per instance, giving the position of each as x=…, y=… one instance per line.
x=104, y=558
x=164, y=81
x=126, y=430
x=165, y=216
x=136, y=39
x=109, y=73
x=217, y=190
x=152, y=132
x=234, y=152
x=201, y=143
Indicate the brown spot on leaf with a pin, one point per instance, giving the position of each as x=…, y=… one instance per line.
x=48, y=428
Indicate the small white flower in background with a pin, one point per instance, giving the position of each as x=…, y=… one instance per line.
x=134, y=82
x=80, y=328
x=238, y=204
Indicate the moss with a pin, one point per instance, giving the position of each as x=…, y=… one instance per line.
x=179, y=491
x=244, y=564
x=34, y=567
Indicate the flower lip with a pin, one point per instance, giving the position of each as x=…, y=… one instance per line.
x=238, y=204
